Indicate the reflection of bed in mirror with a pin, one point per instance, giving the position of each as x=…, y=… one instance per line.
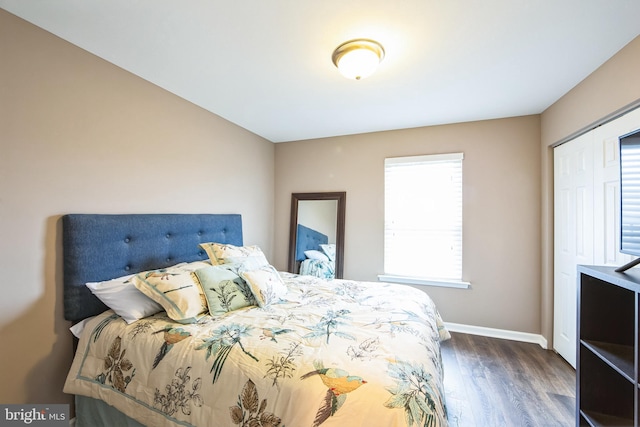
x=315, y=256
x=323, y=213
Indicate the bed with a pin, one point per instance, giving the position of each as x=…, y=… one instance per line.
x=315, y=256
x=287, y=350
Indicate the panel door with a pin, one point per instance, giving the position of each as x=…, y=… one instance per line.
x=586, y=218
x=573, y=223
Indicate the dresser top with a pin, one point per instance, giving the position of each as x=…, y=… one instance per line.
x=629, y=279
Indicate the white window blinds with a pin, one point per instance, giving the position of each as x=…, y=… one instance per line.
x=423, y=217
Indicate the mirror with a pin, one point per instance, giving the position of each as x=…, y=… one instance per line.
x=317, y=223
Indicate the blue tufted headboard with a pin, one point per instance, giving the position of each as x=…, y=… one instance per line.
x=308, y=239
x=102, y=247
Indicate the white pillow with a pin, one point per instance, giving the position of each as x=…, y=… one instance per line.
x=77, y=329
x=124, y=298
x=312, y=254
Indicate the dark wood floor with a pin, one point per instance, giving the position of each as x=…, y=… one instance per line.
x=491, y=382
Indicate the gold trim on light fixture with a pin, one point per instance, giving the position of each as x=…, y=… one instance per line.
x=354, y=59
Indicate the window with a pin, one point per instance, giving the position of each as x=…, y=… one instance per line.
x=423, y=220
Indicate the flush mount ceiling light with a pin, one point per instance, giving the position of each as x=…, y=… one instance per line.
x=357, y=59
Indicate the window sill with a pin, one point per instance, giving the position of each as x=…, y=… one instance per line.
x=423, y=282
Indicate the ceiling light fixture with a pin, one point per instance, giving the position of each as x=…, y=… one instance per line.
x=358, y=59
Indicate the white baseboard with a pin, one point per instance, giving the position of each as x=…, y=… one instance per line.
x=498, y=333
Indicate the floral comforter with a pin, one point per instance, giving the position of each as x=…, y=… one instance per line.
x=317, y=268
x=335, y=353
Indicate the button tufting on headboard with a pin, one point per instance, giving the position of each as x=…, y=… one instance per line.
x=92, y=255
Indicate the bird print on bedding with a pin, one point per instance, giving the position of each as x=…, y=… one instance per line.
x=338, y=383
x=171, y=336
x=271, y=333
x=367, y=357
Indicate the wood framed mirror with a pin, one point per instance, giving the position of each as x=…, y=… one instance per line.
x=317, y=218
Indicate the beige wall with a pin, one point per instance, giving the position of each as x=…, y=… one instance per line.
x=612, y=88
x=501, y=209
x=78, y=134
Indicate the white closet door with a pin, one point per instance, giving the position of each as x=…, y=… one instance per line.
x=587, y=218
x=573, y=223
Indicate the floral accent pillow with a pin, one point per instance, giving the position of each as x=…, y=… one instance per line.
x=224, y=289
x=230, y=254
x=266, y=284
x=329, y=250
x=176, y=289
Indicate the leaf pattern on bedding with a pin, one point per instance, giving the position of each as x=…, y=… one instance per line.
x=310, y=295
x=246, y=292
x=283, y=318
x=365, y=350
x=115, y=365
x=283, y=364
x=226, y=293
x=221, y=342
x=416, y=392
x=250, y=412
x=399, y=323
x=141, y=327
x=178, y=395
x=351, y=291
x=329, y=325
x=352, y=327
x=103, y=324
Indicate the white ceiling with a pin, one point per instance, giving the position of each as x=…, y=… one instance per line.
x=266, y=64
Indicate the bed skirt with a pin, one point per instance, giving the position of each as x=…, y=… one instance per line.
x=93, y=413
